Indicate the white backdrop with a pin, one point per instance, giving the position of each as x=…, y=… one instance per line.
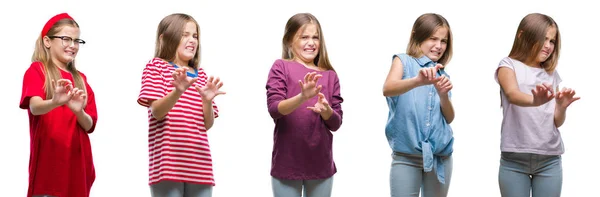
x=240, y=41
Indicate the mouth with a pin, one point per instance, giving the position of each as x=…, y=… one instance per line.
x=310, y=50
x=437, y=53
x=190, y=48
x=71, y=53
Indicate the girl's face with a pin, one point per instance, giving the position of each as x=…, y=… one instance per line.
x=435, y=46
x=63, y=45
x=188, y=44
x=548, y=47
x=306, y=44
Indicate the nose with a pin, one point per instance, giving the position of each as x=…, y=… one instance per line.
x=438, y=44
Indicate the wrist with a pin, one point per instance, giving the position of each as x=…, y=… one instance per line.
x=79, y=113
x=558, y=108
x=443, y=95
x=302, y=97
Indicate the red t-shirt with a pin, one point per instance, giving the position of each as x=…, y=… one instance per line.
x=60, y=159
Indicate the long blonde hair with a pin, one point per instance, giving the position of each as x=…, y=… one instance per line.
x=293, y=27
x=51, y=71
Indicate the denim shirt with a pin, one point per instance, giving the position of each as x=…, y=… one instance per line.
x=415, y=123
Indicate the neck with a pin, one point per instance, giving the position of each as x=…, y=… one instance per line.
x=535, y=64
x=309, y=64
x=181, y=63
x=59, y=64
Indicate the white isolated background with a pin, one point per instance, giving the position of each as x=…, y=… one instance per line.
x=240, y=41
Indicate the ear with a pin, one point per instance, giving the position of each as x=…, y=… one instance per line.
x=46, y=41
x=519, y=34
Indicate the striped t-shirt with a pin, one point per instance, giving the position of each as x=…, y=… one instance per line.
x=178, y=144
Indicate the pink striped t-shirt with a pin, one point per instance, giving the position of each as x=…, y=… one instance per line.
x=178, y=144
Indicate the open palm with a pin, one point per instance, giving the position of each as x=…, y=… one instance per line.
x=321, y=105
x=62, y=87
x=309, y=85
x=565, y=97
x=211, y=89
x=77, y=101
x=180, y=79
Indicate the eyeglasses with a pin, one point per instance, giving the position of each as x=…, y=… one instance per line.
x=67, y=41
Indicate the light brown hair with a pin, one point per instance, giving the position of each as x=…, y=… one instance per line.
x=293, y=28
x=423, y=28
x=169, y=34
x=530, y=38
x=51, y=71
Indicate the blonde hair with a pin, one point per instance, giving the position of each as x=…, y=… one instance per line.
x=293, y=27
x=51, y=71
x=169, y=34
x=423, y=28
x=530, y=38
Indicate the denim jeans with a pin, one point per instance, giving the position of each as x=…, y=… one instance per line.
x=180, y=189
x=526, y=174
x=407, y=177
x=294, y=188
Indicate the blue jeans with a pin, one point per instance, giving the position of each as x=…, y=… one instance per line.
x=294, y=188
x=180, y=189
x=407, y=177
x=525, y=174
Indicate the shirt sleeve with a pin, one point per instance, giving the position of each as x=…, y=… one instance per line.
x=153, y=84
x=204, y=77
x=505, y=62
x=90, y=107
x=335, y=121
x=276, y=88
x=33, y=84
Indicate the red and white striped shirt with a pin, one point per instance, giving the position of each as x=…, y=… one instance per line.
x=178, y=144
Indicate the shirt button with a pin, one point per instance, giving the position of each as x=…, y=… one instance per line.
x=430, y=108
x=427, y=124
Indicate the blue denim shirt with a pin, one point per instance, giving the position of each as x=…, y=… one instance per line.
x=415, y=123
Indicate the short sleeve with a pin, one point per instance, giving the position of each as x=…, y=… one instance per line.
x=33, y=84
x=202, y=81
x=153, y=84
x=557, y=81
x=505, y=62
x=90, y=107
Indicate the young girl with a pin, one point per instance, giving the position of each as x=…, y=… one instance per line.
x=62, y=112
x=531, y=144
x=417, y=90
x=303, y=98
x=179, y=116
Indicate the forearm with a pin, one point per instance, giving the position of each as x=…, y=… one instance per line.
x=559, y=116
x=209, y=116
x=84, y=120
x=287, y=106
x=398, y=87
x=447, y=108
x=327, y=113
x=520, y=99
x=162, y=106
x=38, y=106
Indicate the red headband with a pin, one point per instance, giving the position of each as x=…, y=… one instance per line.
x=53, y=20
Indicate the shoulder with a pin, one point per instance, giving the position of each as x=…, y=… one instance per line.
x=38, y=66
x=157, y=63
x=508, y=62
x=280, y=64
